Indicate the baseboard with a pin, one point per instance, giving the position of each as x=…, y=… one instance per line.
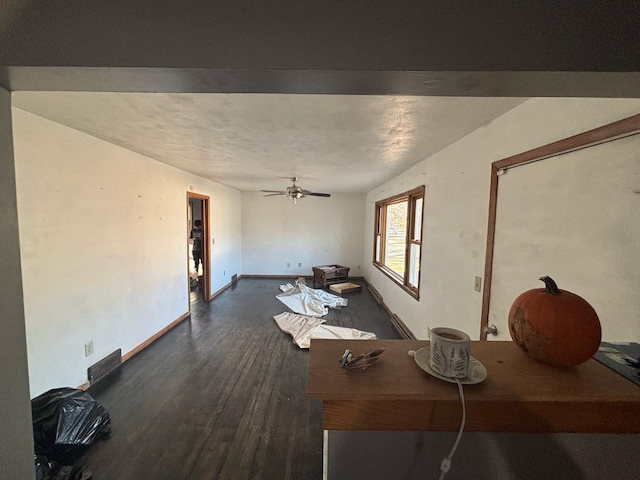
x=155, y=337
x=145, y=344
x=219, y=291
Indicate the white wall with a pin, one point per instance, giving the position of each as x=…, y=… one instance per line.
x=456, y=206
x=16, y=439
x=103, y=236
x=314, y=231
x=226, y=233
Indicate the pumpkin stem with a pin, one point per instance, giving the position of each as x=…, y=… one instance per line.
x=550, y=286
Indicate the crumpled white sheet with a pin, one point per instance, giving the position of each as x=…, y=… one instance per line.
x=303, y=329
x=308, y=301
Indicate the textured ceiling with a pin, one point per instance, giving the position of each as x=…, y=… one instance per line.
x=333, y=143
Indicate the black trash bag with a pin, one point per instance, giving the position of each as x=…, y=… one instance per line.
x=43, y=467
x=72, y=473
x=65, y=422
x=46, y=470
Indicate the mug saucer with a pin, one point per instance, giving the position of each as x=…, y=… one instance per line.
x=477, y=371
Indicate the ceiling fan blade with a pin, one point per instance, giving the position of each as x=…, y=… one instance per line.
x=274, y=194
x=279, y=192
x=315, y=194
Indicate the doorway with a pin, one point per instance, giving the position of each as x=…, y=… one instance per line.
x=582, y=227
x=198, y=276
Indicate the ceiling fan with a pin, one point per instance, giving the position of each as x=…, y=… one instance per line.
x=295, y=192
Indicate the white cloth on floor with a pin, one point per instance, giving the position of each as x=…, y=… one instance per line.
x=308, y=301
x=303, y=329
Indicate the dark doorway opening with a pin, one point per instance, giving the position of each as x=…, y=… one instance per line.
x=198, y=258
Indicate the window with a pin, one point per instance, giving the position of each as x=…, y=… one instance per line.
x=398, y=239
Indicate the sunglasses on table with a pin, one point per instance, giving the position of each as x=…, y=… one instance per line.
x=362, y=361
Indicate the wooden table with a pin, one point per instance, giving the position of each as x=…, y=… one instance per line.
x=519, y=394
x=330, y=274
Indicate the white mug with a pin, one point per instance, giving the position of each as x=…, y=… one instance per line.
x=450, y=352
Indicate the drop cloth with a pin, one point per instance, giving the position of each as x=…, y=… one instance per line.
x=308, y=301
x=304, y=328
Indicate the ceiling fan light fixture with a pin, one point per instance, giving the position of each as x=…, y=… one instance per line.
x=295, y=192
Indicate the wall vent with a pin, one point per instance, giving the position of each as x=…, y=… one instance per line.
x=108, y=365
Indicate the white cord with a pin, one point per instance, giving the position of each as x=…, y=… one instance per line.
x=446, y=462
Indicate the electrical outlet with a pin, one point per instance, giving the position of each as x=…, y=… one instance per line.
x=299, y=264
x=288, y=264
x=477, y=286
x=88, y=348
x=224, y=273
x=358, y=267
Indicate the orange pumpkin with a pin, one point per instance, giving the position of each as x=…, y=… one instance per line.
x=554, y=326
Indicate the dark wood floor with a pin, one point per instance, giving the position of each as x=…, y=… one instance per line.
x=222, y=395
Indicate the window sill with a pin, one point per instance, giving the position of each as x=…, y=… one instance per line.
x=391, y=275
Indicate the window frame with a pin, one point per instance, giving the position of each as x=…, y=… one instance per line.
x=380, y=234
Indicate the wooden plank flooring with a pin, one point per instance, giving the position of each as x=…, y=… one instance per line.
x=223, y=395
